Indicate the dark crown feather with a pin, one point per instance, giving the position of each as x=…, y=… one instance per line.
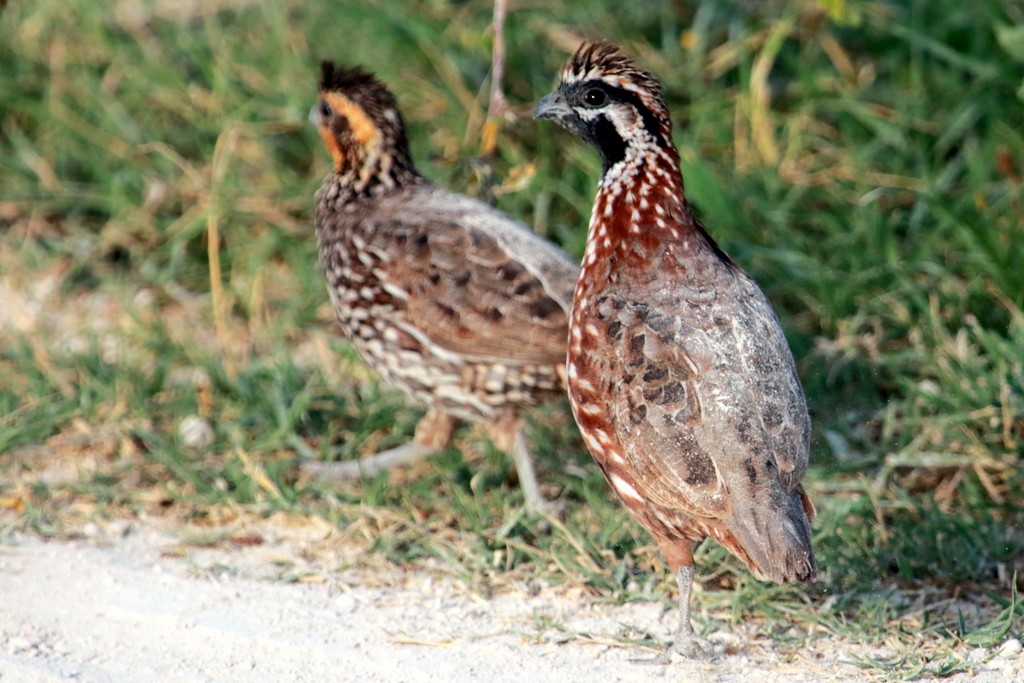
x=604, y=56
x=607, y=59
x=339, y=78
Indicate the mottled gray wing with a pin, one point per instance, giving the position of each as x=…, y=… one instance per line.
x=705, y=397
x=474, y=281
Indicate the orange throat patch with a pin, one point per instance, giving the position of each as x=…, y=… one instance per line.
x=365, y=133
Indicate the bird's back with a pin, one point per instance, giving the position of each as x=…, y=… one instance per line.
x=451, y=300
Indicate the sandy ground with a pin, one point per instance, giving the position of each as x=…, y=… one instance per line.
x=135, y=602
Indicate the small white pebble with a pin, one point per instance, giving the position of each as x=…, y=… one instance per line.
x=195, y=432
x=1010, y=648
x=345, y=603
x=144, y=298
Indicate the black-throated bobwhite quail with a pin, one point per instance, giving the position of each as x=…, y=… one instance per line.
x=679, y=375
x=448, y=299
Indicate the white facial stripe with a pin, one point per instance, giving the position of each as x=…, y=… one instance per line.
x=570, y=77
x=626, y=120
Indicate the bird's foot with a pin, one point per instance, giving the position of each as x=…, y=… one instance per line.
x=350, y=470
x=686, y=646
x=539, y=506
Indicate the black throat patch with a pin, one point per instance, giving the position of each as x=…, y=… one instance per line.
x=608, y=142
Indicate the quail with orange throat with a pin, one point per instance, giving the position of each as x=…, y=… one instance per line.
x=448, y=299
x=680, y=378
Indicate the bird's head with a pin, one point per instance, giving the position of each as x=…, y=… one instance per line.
x=606, y=99
x=359, y=122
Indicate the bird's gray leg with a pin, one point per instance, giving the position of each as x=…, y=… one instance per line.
x=687, y=644
x=507, y=435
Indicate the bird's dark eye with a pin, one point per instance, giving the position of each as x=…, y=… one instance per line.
x=325, y=109
x=594, y=97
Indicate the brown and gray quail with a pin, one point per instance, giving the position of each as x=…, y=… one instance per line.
x=447, y=298
x=679, y=375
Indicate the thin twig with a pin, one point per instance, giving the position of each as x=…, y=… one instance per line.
x=497, y=105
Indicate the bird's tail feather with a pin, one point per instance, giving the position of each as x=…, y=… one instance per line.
x=777, y=541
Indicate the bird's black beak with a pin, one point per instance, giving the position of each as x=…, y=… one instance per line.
x=553, y=107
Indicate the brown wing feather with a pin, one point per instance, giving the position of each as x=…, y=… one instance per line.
x=464, y=287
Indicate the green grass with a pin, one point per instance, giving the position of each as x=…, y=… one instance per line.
x=864, y=163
